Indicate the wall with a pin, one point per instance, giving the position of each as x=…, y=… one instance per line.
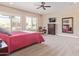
x=12, y=11
x=72, y=11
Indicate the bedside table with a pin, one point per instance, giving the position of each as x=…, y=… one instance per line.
x=3, y=48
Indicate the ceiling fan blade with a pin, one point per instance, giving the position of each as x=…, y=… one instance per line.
x=39, y=7
x=47, y=6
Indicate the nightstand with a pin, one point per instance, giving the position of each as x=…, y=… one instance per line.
x=3, y=48
x=4, y=51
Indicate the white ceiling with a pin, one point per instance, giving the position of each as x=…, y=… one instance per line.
x=31, y=6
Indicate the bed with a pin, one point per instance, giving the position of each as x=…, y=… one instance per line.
x=21, y=39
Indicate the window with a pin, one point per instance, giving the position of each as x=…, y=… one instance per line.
x=16, y=23
x=31, y=23
x=10, y=23
x=34, y=23
x=5, y=22
x=13, y=23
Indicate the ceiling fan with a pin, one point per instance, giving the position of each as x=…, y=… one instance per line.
x=43, y=6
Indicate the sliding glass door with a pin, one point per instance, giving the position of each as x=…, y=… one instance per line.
x=31, y=23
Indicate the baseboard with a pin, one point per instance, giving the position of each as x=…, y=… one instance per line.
x=68, y=36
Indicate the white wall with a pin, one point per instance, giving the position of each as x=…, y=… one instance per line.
x=72, y=11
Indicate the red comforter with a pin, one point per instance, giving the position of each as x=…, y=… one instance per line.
x=21, y=39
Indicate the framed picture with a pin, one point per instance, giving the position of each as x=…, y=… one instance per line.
x=67, y=25
x=52, y=19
